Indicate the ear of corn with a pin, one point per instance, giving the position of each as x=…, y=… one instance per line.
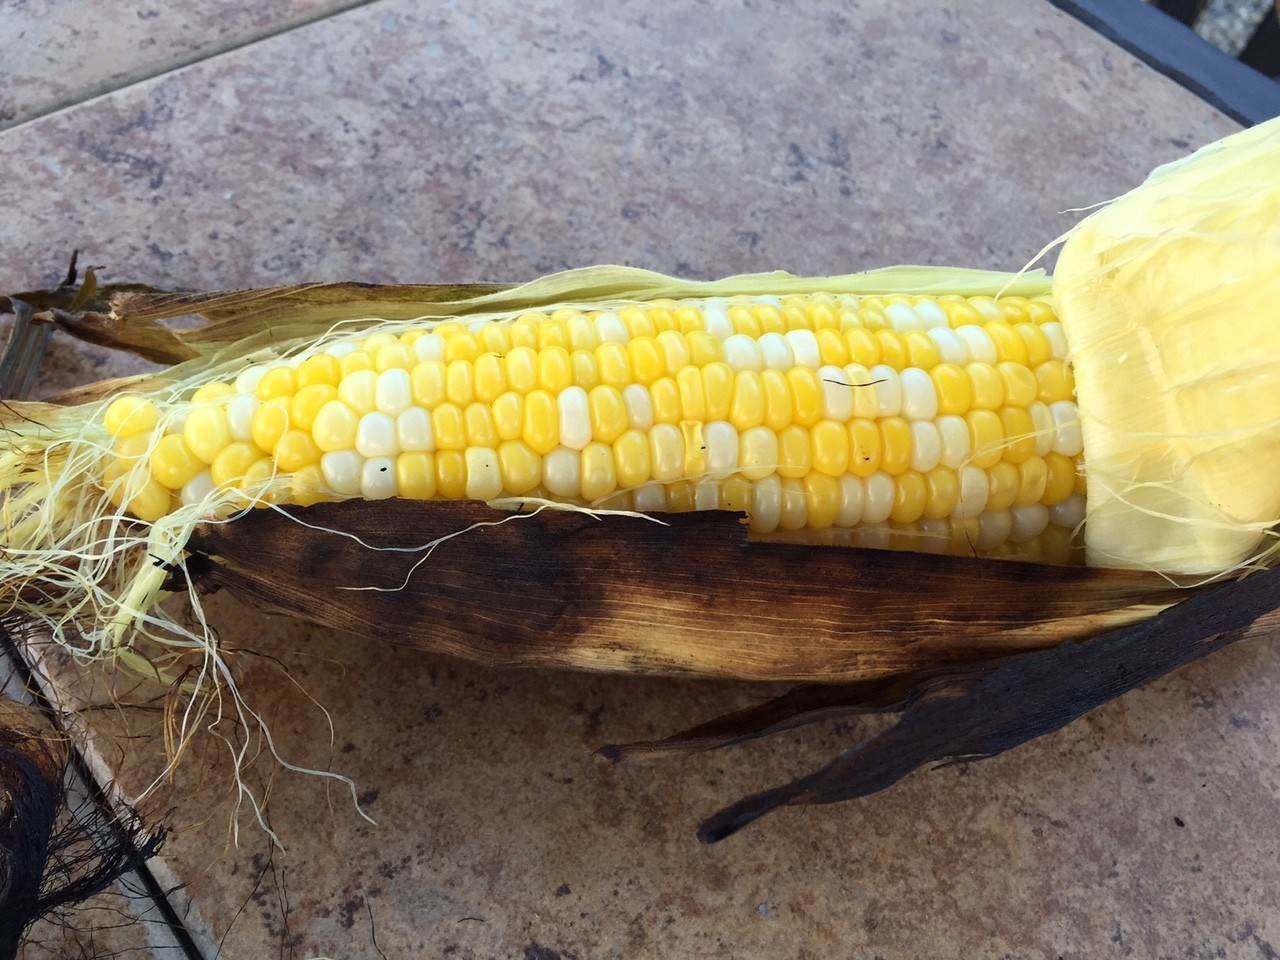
x=928, y=423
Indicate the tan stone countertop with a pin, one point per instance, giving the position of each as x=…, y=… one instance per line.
x=406, y=141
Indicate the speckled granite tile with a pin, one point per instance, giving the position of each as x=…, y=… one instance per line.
x=500, y=141
x=62, y=52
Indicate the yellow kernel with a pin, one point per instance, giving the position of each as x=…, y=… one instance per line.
x=794, y=452
x=212, y=391
x=863, y=346
x=582, y=365
x=522, y=369
x=173, y=463
x=631, y=461
x=231, y=465
x=307, y=403
x=394, y=356
x=376, y=341
x=524, y=331
x=960, y=312
x=704, y=348
x=613, y=365
x=128, y=416
x=451, y=474
x=359, y=391
x=988, y=309
x=1009, y=346
x=744, y=321
x=986, y=437
x=695, y=448
x=1054, y=382
x=832, y=347
x=598, y=476
x=1019, y=431
x=693, y=394
x=582, y=332
x=459, y=382
x=276, y=382
x=796, y=317
x=519, y=467
x=296, y=450
x=910, y=495
x=1040, y=311
x=922, y=352
x=410, y=337
x=608, y=413
x=942, y=493
x=666, y=452
x=553, y=333
x=681, y=497
x=150, y=501
x=777, y=399
x=449, y=427
x=334, y=427
x=822, y=499
x=1003, y=482
x=354, y=362
x=865, y=447
x=1039, y=348
x=256, y=477
x=893, y=349
x=822, y=315
x=416, y=475
x=508, y=415
x=637, y=321
x=207, y=429
x=953, y=387
x=426, y=382
x=689, y=319
x=647, y=364
x=1020, y=385
x=895, y=445
x=1060, y=479
x=735, y=494
x=830, y=454
x=674, y=349
x=490, y=377
x=987, y=386
x=541, y=422
x=806, y=396
x=1033, y=477
x=717, y=383
x=321, y=369
x=462, y=345
x=664, y=398
x=663, y=318
x=747, y=407
x=495, y=337
x=481, y=430
x=554, y=371
x=306, y=486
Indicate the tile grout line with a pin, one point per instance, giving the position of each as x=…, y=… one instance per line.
x=181, y=64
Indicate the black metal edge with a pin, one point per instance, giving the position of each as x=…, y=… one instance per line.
x=1175, y=50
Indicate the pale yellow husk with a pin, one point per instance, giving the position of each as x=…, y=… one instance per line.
x=1170, y=300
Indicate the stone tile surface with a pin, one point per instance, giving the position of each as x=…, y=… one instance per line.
x=495, y=140
x=61, y=52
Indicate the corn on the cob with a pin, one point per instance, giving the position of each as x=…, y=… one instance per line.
x=929, y=423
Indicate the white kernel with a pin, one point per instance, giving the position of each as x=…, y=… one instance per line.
x=1069, y=513
x=743, y=353
x=484, y=479
x=956, y=443
x=240, y=411
x=1029, y=522
x=878, y=502
x=951, y=348
x=935, y=535
x=981, y=347
x=414, y=431
x=1057, y=339
x=562, y=472
x=1067, y=440
x=715, y=312
x=377, y=478
x=766, y=504
x=993, y=530
x=1045, y=429
x=575, y=417
x=776, y=352
x=795, y=505
x=837, y=394
x=197, y=488
x=639, y=406
x=249, y=377
x=721, y=440
x=804, y=348
x=933, y=316
x=926, y=445
x=919, y=395
x=706, y=494
x=852, y=496
x=376, y=436
x=770, y=301
x=429, y=346
x=342, y=470
x=649, y=498
x=903, y=318
x=392, y=393
x=888, y=386
x=341, y=349
x=989, y=310
x=975, y=490
x=611, y=329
